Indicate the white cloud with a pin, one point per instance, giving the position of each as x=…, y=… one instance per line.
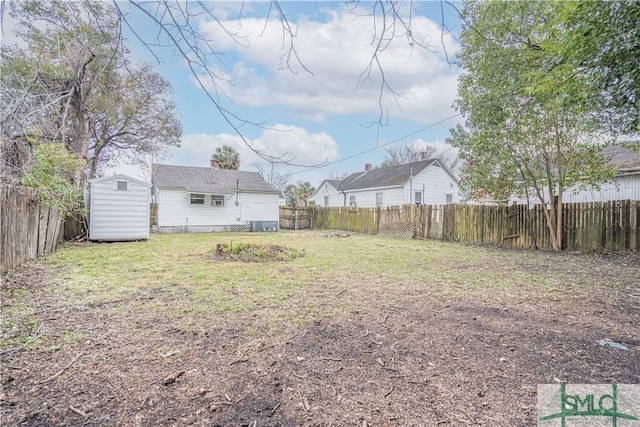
x=289, y=142
x=337, y=52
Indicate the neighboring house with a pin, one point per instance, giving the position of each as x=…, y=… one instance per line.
x=197, y=199
x=119, y=209
x=624, y=186
x=424, y=182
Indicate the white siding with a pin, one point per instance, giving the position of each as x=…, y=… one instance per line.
x=259, y=207
x=434, y=183
x=336, y=198
x=367, y=198
x=620, y=188
x=119, y=215
x=174, y=209
x=626, y=187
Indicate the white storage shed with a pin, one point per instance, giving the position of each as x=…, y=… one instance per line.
x=119, y=209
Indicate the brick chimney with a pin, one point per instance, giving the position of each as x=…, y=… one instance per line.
x=215, y=164
x=368, y=167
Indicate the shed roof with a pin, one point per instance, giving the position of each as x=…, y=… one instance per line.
x=118, y=177
x=209, y=180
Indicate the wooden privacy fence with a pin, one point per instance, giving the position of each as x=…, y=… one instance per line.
x=296, y=218
x=587, y=226
x=153, y=214
x=27, y=228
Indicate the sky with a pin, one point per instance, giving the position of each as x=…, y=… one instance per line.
x=320, y=111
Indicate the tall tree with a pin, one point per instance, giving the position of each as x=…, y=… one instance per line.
x=298, y=193
x=227, y=157
x=272, y=177
x=133, y=119
x=526, y=129
x=602, y=42
x=304, y=191
x=410, y=153
x=72, y=84
x=49, y=88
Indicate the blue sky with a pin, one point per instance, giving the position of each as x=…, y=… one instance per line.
x=312, y=118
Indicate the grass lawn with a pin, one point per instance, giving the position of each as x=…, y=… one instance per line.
x=357, y=330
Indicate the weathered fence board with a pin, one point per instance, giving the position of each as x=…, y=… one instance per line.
x=295, y=218
x=587, y=226
x=27, y=229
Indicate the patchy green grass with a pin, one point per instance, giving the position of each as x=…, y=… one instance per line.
x=174, y=275
x=19, y=328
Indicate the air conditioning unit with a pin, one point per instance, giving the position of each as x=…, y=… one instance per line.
x=260, y=226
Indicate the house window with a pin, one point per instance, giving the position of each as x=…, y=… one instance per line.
x=121, y=185
x=352, y=201
x=417, y=197
x=197, y=199
x=326, y=201
x=378, y=200
x=449, y=199
x=217, y=200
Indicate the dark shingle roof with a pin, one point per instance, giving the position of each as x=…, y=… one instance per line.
x=209, y=180
x=334, y=182
x=384, y=177
x=623, y=157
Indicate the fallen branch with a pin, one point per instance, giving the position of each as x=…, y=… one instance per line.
x=305, y=402
x=274, y=408
x=340, y=293
x=61, y=371
x=396, y=310
x=34, y=336
x=389, y=392
x=77, y=411
x=172, y=378
x=241, y=360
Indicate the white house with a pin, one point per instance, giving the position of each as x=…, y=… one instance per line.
x=197, y=199
x=424, y=182
x=624, y=186
x=119, y=209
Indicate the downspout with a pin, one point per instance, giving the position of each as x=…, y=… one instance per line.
x=411, y=187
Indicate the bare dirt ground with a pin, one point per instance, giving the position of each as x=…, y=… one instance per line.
x=398, y=357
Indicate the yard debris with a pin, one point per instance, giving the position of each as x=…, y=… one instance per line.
x=77, y=411
x=305, y=402
x=604, y=343
x=61, y=371
x=274, y=408
x=337, y=235
x=170, y=353
x=252, y=252
x=172, y=378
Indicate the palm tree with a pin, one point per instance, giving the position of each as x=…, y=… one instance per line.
x=304, y=190
x=227, y=157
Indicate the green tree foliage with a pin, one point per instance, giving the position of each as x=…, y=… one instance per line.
x=527, y=130
x=298, y=193
x=134, y=119
x=49, y=174
x=227, y=157
x=72, y=84
x=602, y=42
